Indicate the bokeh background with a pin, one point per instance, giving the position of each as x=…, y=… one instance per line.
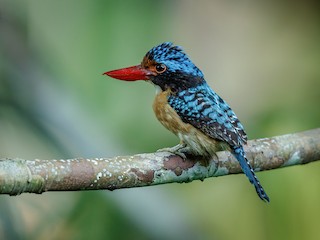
x=263, y=58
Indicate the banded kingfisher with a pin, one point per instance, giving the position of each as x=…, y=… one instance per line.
x=188, y=107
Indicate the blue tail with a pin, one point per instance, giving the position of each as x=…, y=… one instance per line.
x=247, y=169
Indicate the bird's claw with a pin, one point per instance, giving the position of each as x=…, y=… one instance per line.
x=180, y=150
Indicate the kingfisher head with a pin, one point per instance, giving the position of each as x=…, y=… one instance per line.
x=166, y=66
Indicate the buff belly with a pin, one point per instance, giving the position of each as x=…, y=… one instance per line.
x=198, y=142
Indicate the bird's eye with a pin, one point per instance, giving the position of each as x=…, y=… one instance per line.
x=160, y=68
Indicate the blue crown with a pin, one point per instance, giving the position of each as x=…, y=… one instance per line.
x=174, y=58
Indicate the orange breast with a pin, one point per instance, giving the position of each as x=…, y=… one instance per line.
x=199, y=143
x=167, y=115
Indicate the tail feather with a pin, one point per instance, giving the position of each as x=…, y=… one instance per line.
x=248, y=170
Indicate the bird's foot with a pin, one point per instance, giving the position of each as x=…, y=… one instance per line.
x=181, y=150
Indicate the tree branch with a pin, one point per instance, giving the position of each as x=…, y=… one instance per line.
x=36, y=176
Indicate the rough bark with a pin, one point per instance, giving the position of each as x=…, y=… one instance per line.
x=37, y=176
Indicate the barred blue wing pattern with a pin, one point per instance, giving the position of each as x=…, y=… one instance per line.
x=205, y=110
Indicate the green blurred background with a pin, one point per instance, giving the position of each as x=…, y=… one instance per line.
x=263, y=58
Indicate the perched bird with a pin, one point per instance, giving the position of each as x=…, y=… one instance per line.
x=188, y=107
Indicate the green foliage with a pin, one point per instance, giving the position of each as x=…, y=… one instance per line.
x=100, y=218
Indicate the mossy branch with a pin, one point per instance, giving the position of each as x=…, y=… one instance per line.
x=37, y=176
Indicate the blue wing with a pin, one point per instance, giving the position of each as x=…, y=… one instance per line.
x=205, y=110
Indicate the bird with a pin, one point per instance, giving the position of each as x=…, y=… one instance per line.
x=187, y=106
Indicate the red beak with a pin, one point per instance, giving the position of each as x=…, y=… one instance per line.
x=133, y=73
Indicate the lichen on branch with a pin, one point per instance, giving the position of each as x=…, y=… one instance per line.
x=36, y=176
